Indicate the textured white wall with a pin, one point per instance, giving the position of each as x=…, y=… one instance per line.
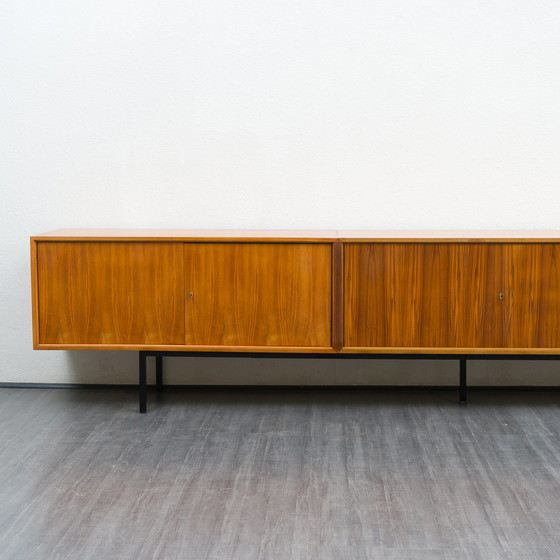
x=271, y=114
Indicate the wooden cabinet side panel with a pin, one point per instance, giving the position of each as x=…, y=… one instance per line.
x=110, y=293
x=34, y=294
x=532, y=296
x=426, y=295
x=258, y=294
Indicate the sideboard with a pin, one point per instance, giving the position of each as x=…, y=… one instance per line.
x=333, y=294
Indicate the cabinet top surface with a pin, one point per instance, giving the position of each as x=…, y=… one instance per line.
x=188, y=234
x=355, y=236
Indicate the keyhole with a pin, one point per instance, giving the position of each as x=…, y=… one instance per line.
x=501, y=295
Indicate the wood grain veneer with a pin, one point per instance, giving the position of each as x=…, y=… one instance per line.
x=491, y=297
x=531, y=306
x=258, y=294
x=374, y=291
x=110, y=293
x=421, y=295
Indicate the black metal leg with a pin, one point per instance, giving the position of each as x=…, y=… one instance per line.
x=159, y=373
x=463, y=381
x=142, y=381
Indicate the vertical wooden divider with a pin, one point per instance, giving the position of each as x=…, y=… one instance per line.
x=337, y=295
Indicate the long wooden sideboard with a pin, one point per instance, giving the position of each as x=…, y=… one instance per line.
x=338, y=294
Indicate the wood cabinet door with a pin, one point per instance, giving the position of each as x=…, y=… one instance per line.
x=422, y=295
x=110, y=293
x=258, y=294
x=531, y=304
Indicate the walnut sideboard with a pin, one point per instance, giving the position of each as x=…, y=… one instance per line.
x=334, y=294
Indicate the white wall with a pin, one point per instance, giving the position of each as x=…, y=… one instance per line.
x=271, y=114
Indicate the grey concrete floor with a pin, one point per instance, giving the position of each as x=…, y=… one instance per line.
x=286, y=474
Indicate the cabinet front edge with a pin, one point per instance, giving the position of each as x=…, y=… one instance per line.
x=446, y=350
x=186, y=348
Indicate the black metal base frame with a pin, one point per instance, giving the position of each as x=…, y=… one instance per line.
x=159, y=355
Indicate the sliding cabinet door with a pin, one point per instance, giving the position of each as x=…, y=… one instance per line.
x=110, y=293
x=258, y=294
x=532, y=295
x=422, y=295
